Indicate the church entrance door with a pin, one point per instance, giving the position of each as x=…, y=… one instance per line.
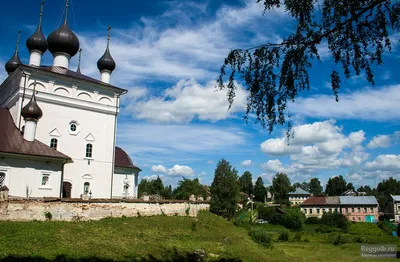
x=67, y=188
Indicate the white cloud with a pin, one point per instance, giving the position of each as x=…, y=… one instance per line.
x=210, y=162
x=176, y=170
x=314, y=147
x=153, y=177
x=185, y=101
x=246, y=163
x=159, y=169
x=384, y=163
x=377, y=104
x=380, y=141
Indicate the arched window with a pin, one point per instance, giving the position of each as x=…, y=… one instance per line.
x=53, y=143
x=2, y=178
x=86, y=188
x=89, y=150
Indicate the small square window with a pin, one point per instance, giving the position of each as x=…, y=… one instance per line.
x=89, y=150
x=359, y=210
x=2, y=178
x=53, y=143
x=45, y=180
x=310, y=211
x=73, y=127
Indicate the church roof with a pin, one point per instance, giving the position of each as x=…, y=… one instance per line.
x=122, y=159
x=13, y=142
x=72, y=74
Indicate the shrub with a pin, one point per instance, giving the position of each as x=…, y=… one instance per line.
x=193, y=226
x=266, y=213
x=326, y=229
x=306, y=240
x=293, y=219
x=276, y=219
x=338, y=240
x=385, y=227
x=361, y=228
x=335, y=219
x=298, y=236
x=284, y=236
x=48, y=215
x=313, y=221
x=261, y=236
x=187, y=210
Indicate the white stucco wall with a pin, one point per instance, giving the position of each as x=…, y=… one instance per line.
x=118, y=183
x=24, y=177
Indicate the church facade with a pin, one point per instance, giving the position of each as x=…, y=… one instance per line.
x=58, y=131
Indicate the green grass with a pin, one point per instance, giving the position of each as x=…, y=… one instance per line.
x=132, y=239
x=163, y=238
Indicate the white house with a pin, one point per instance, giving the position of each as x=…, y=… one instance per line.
x=60, y=135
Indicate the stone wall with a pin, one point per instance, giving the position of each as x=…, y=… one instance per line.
x=28, y=210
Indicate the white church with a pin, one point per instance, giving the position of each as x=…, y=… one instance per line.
x=58, y=126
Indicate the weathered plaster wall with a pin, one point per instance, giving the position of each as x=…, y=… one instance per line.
x=65, y=211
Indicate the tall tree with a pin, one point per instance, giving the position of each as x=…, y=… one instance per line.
x=187, y=187
x=303, y=185
x=350, y=186
x=315, y=186
x=356, y=33
x=260, y=192
x=224, y=190
x=281, y=186
x=385, y=188
x=246, y=183
x=367, y=189
x=336, y=186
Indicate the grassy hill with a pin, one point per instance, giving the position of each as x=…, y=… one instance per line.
x=131, y=239
x=163, y=239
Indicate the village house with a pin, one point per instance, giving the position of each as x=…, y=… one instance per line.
x=355, y=208
x=393, y=207
x=298, y=196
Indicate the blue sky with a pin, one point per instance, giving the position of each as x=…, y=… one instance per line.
x=173, y=123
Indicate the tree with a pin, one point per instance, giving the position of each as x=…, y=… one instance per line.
x=246, y=183
x=350, y=186
x=281, y=186
x=303, y=185
x=187, y=187
x=224, y=190
x=293, y=219
x=315, y=186
x=336, y=186
x=385, y=188
x=367, y=189
x=357, y=33
x=260, y=192
x=155, y=187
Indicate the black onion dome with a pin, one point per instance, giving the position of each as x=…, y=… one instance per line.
x=63, y=40
x=32, y=110
x=13, y=63
x=37, y=41
x=106, y=62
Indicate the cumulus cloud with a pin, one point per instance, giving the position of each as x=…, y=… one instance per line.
x=176, y=170
x=246, y=163
x=314, y=147
x=384, y=141
x=186, y=101
x=384, y=163
x=377, y=104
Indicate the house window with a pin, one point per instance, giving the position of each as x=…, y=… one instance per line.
x=365, y=210
x=359, y=210
x=73, y=128
x=323, y=210
x=359, y=218
x=310, y=211
x=305, y=210
x=330, y=210
x=2, y=178
x=318, y=211
x=89, y=150
x=354, y=219
x=86, y=188
x=372, y=209
x=53, y=143
x=347, y=210
x=45, y=179
x=352, y=210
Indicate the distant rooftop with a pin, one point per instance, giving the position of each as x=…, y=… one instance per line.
x=358, y=200
x=314, y=201
x=396, y=197
x=299, y=191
